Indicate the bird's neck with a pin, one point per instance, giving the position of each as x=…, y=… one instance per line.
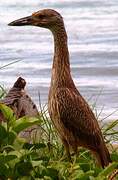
x=61, y=54
x=61, y=76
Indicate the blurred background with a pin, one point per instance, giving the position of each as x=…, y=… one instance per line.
x=92, y=28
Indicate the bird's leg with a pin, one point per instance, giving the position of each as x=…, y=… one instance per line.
x=75, y=153
x=97, y=158
x=66, y=145
x=74, y=149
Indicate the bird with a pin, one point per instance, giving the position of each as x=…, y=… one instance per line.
x=70, y=113
x=19, y=101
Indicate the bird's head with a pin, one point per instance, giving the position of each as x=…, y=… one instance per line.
x=46, y=18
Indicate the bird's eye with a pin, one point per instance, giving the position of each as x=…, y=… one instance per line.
x=41, y=16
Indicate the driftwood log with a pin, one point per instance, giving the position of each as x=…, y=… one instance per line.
x=21, y=104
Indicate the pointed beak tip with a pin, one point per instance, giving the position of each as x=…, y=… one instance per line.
x=10, y=24
x=14, y=23
x=21, y=22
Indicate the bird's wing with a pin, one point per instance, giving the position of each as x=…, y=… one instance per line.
x=77, y=116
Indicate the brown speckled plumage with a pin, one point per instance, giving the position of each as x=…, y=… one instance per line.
x=70, y=113
x=19, y=101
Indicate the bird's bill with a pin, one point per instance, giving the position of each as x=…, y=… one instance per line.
x=22, y=21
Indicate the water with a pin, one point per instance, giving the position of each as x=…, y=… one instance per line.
x=92, y=28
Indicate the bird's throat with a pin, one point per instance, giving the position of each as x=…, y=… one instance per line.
x=61, y=76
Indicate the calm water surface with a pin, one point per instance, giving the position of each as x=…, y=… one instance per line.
x=92, y=28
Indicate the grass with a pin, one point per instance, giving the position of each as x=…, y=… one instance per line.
x=42, y=157
x=6, y=65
